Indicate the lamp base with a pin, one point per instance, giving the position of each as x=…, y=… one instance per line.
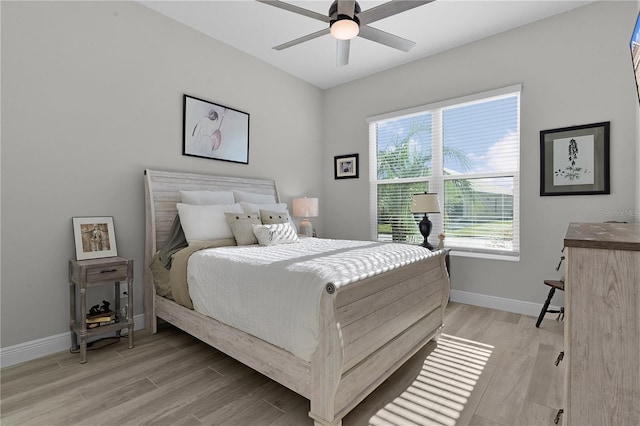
x=425, y=226
x=306, y=228
x=427, y=244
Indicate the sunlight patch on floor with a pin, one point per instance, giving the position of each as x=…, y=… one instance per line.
x=439, y=394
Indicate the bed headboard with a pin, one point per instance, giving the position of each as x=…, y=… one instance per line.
x=162, y=193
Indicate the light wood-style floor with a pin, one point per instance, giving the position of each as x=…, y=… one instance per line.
x=490, y=368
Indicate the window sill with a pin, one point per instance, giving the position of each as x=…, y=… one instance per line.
x=484, y=255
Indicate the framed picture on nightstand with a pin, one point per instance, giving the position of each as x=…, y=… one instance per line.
x=95, y=237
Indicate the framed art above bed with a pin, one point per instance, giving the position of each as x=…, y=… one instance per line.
x=214, y=131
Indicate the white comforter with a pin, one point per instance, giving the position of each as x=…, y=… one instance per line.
x=273, y=292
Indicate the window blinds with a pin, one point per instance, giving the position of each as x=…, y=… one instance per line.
x=467, y=150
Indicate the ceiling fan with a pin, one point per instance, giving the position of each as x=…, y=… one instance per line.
x=346, y=21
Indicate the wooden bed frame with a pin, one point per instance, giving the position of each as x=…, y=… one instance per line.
x=368, y=328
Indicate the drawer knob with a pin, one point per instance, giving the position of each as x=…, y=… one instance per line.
x=108, y=271
x=560, y=357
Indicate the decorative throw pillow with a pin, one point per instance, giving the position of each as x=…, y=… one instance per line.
x=242, y=227
x=206, y=222
x=277, y=233
x=252, y=197
x=274, y=207
x=269, y=218
x=207, y=197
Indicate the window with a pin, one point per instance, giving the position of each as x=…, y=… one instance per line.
x=466, y=150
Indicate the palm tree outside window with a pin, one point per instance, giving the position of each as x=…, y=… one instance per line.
x=466, y=150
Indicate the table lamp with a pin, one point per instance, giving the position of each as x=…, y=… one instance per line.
x=305, y=208
x=425, y=203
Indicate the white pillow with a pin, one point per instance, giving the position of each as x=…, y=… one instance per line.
x=206, y=222
x=207, y=197
x=277, y=233
x=252, y=197
x=256, y=207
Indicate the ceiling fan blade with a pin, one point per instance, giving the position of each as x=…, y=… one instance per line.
x=388, y=9
x=346, y=7
x=296, y=9
x=385, y=38
x=302, y=39
x=342, y=52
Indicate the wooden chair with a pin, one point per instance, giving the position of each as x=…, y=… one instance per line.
x=555, y=285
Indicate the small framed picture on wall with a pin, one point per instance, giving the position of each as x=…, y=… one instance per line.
x=346, y=166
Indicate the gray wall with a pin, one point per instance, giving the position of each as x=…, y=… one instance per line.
x=574, y=68
x=91, y=96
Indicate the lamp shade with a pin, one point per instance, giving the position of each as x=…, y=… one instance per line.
x=425, y=203
x=305, y=207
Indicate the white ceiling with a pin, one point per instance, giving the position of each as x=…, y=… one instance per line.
x=443, y=24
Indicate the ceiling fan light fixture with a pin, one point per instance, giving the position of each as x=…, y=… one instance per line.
x=344, y=28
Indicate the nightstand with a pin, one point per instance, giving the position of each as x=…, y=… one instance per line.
x=84, y=274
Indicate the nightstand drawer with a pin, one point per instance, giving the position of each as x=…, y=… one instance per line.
x=107, y=273
x=97, y=271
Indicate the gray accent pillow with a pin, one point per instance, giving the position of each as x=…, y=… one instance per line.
x=269, y=218
x=241, y=225
x=176, y=241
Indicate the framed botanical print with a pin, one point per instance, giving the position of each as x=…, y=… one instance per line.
x=575, y=160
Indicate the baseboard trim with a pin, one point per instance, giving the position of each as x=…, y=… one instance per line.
x=27, y=351
x=500, y=303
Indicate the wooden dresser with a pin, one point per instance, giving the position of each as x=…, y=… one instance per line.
x=602, y=324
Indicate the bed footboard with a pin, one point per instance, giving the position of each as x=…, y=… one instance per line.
x=369, y=329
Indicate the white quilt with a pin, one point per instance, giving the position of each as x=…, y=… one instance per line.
x=274, y=292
